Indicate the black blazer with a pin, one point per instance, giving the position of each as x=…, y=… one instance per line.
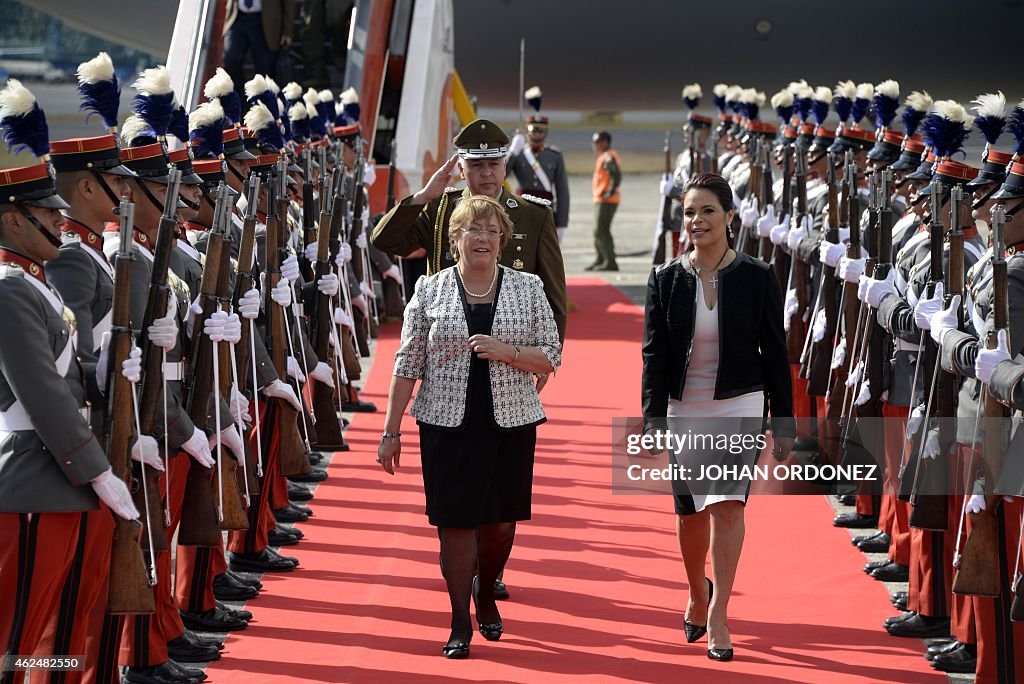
x=752, y=339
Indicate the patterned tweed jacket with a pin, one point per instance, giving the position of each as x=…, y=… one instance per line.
x=434, y=348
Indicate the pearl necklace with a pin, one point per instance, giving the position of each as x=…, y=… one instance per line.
x=494, y=279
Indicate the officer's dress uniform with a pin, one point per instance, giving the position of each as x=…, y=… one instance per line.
x=542, y=174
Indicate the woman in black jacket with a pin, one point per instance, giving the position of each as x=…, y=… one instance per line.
x=714, y=350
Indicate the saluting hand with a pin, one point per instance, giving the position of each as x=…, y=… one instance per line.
x=441, y=179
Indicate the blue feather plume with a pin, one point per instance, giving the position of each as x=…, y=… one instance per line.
x=267, y=98
x=803, y=107
x=946, y=137
x=859, y=109
x=316, y=126
x=751, y=110
x=179, y=124
x=785, y=113
x=991, y=127
x=270, y=137
x=286, y=127
x=691, y=102
x=207, y=142
x=820, y=110
x=300, y=129
x=102, y=99
x=912, y=119
x=351, y=112
x=325, y=110
x=1015, y=125
x=843, y=107
x=27, y=132
x=719, y=102
x=232, y=105
x=156, y=110
x=884, y=109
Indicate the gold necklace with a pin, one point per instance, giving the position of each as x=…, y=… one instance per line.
x=494, y=279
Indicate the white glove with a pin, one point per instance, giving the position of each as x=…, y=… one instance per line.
x=344, y=254
x=665, y=187
x=749, y=216
x=145, y=450
x=361, y=240
x=198, y=448
x=877, y=290
x=394, y=273
x=290, y=268
x=249, y=304
x=844, y=235
x=310, y=251
x=281, y=390
x=778, y=233
x=791, y=304
x=131, y=367
x=328, y=284
x=798, y=234
x=818, y=328
x=517, y=144
x=194, y=311
x=294, y=370
x=851, y=270
x=232, y=440
x=928, y=306
x=931, y=444
x=862, y=287
x=766, y=222
x=239, y=406
x=856, y=375
x=232, y=329
x=163, y=333
x=945, y=320
x=976, y=504
x=322, y=373
x=341, y=317
x=359, y=301
x=839, y=354
x=282, y=293
x=114, y=492
x=914, y=421
x=830, y=253
x=369, y=174
x=365, y=288
x=988, y=359
x=213, y=327
x=865, y=394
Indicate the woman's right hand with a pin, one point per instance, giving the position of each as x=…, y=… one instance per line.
x=389, y=454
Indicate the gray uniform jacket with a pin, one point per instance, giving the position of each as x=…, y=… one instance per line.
x=48, y=453
x=553, y=165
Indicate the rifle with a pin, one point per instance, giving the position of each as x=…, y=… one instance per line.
x=129, y=585
x=308, y=207
x=714, y=152
x=768, y=253
x=931, y=477
x=798, y=274
x=361, y=256
x=321, y=323
x=245, y=349
x=848, y=304
x=660, y=251
x=153, y=394
x=293, y=459
x=755, y=190
x=979, y=569
x=818, y=356
x=349, y=338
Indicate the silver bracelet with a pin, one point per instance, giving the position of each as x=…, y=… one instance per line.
x=390, y=435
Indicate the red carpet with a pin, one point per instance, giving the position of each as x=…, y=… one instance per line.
x=597, y=582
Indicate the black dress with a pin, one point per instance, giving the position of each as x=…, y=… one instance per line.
x=477, y=474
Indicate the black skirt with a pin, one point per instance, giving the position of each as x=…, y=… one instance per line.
x=477, y=474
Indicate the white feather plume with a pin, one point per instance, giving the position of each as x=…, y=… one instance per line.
x=954, y=111
x=847, y=89
x=155, y=81
x=255, y=86
x=350, y=96
x=99, y=68
x=133, y=127
x=218, y=86
x=733, y=93
x=338, y=108
x=804, y=92
x=297, y=112
x=258, y=117
x=292, y=91
x=326, y=95
x=311, y=97
x=823, y=94
x=272, y=84
x=991, y=104
x=310, y=110
x=693, y=91
x=747, y=95
x=720, y=89
x=919, y=100
x=531, y=93
x=760, y=98
x=865, y=91
x=796, y=87
x=889, y=88
x=783, y=98
x=16, y=99
x=205, y=114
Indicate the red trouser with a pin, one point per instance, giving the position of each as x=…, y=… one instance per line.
x=36, y=555
x=83, y=600
x=261, y=520
x=145, y=637
x=893, y=517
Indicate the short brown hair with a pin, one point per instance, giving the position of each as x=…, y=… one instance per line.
x=475, y=208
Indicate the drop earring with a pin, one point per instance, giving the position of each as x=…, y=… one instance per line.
x=731, y=234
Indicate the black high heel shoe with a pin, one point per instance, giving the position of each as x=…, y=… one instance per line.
x=721, y=654
x=491, y=631
x=692, y=631
x=456, y=651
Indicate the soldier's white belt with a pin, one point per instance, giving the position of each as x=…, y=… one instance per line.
x=102, y=327
x=174, y=371
x=903, y=345
x=16, y=418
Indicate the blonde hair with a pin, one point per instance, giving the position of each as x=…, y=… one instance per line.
x=473, y=209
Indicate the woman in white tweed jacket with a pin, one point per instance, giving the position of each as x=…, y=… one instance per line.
x=474, y=335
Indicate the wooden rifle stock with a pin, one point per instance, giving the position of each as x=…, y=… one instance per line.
x=820, y=356
x=308, y=208
x=151, y=403
x=128, y=590
x=349, y=353
x=979, y=570
x=293, y=459
x=797, y=326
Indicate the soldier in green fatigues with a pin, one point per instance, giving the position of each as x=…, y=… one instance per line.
x=421, y=221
